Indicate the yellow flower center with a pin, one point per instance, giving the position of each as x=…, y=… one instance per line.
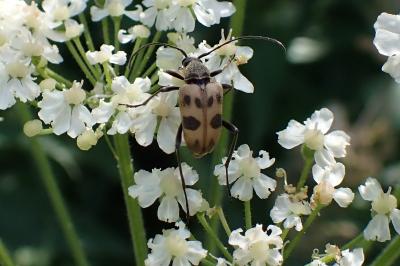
x=314, y=139
x=176, y=245
x=384, y=204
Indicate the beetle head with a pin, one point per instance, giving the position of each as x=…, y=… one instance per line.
x=187, y=60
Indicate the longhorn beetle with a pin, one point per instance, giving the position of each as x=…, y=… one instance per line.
x=200, y=104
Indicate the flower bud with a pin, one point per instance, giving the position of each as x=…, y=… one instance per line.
x=86, y=140
x=323, y=193
x=141, y=31
x=48, y=84
x=33, y=127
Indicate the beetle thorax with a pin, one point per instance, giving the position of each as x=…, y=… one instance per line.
x=196, y=69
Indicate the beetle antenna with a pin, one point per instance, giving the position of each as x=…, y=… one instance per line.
x=244, y=38
x=155, y=44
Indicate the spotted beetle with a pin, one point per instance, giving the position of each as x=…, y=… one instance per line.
x=200, y=104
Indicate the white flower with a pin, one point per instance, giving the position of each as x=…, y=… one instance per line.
x=73, y=29
x=345, y=258
x=288, y=209
x=173, y=246
x=166, y=185
x=245, y=172
x=113, y=8
x=161, y=108
x=383, y=209
x=178, y=14
x=62, y=10
x=137, y=31
x=314, y=135
x=16, y=79
x=105, y=55
x=387, y=42
x=124, y=93
x=65, y=111
x=328, y=178
x=257, y=247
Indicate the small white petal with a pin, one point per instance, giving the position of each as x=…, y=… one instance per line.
x=321, y=120
x=118, y=58
x=292, y=136
x=371, y=190
x=336, y=142
x=343, y=196
x=387, y=34
x=378, y=229
x=263, y=186
x=395, y=217
x=392, y=67
x=242, y=189
x=168, y=211
x=97, y=13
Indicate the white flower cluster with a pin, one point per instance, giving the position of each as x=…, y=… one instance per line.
x=387, y=42
x=342, y=258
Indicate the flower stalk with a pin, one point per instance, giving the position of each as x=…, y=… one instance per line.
x=247, y=214
x=308, y=156
x=54, y=193
x=223, y=221
x=5, y=257
x=293, y=243
x=134, y=211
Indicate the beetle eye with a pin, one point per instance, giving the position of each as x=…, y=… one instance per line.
x=186, y=61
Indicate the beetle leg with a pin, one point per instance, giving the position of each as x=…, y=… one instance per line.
x=178, y=142
x=162, y=89
x=235, y=131
x=227, y=88
x=174, y=74
x=216, y=72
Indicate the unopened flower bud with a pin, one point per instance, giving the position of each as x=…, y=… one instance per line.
x=33, y=127
x=48, y=84
x=86, y=140
x=141, y=31
x=323, y=193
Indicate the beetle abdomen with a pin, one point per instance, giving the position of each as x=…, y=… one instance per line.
x=201, y=110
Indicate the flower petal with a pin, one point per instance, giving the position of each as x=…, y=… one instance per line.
x=292, y=136
x=168, y=211
x=371, y=190
x=343, y=196
x=336, y=142
x=378, y=229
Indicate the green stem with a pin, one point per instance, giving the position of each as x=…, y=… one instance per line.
x=129, y=68
x=54, y=193
x=236, y=23
x=284, y=233
x=293, y=243
x=223, y=221
x=105, y=28
x=247, y=214
x=389, y=255
x=214, y=236
x=58, y=77
x=148, y=54
x=207, y=262
x=80, y=62
x=117, y=25
x=81, y=51
x=86, y=32
x=308, y=156
x=134, y=211
x=107, y=74
x=5, y=258
x=150, y=70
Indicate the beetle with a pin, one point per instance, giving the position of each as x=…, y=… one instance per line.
x=200, y=104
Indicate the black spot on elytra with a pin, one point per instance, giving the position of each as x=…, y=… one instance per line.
x=186, y=100
x=216, y=121
x=190, y=123
x=198, y=103
x=210, y=101
x=219, y=98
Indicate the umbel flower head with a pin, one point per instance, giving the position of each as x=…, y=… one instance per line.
x=343, y=258
x=289, y=209
x=257, y=246
x=245, y=173
x=383, y=208
x=173, y=246
x=314, y=134
x=166, y=185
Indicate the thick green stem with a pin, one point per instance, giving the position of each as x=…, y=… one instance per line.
x=82, y=52
x=105, y=28
x=147, y=55
x=214, y=236
x=308, y=156
x=247, y=214
x=389, y=255
x=223, y=221
x=293, y=243
x=134, y=211
x=236, y=23
x=5, y=258
x=54, y=193
x=150, y=70
x=80, y=62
